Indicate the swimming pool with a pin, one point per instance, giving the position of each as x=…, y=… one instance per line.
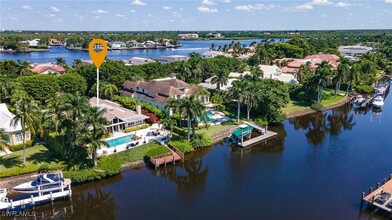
x=209, y=119
x=121, y=140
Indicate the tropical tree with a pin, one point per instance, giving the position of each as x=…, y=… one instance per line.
x=77, y=63
x=221, y=78
x=251, y=97
x=23, y=68
x=189, y=108
x=352, y=75
x=94, y=135
x=322, y=78
x=305, y=70
x=168, y=122
x=237, y=92
x=341, y=74
x=61, y=62
x=25, y=115
x=3, y=139
x=110, y=90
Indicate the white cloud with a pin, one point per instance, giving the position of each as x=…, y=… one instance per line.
x=133, y=11
x=167, y=7
x=138, y=2
x=100, y=11
x=208, y=2
x=304, y=7
x=342, y=4
x=27, y=7
x=81, y=17
x=149, y=15
x=54, y=9
x=320, y=2
x=223, y=1
x=176, y=14
x=388, y=1
x=253, y=7
x=171, y=21
x=120, y=15
x=97, y=17
x=14, y=19
x=205, y=9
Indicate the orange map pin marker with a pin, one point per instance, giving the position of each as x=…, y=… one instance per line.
x=98, y=56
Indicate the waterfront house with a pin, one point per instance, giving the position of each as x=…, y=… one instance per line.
x=119, y=117
x=188, y=36
x=213, y=53
x=13, y=133
x=118, y=45
x=135, y=44
x=157, y=91
x=32, y=43
x=48, y=68
x=134, y=61
x=354, y=52
x=172, y=58
x=274, y=72
x=314, y=60
x=54, y=42
x=214, y=35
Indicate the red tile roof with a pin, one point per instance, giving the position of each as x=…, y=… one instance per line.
x=42, y=68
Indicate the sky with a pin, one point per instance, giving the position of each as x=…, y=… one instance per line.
x=194, y=15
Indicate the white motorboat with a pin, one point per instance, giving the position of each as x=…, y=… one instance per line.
x=378, y=102
x=43, y=183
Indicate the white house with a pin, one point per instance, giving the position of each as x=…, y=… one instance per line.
x=274, y=72
x=32, y=43
x=353, y=52
x=212, y=54
x=134, y=61
x=172, y=58
x=14, y=133
x=116, y=45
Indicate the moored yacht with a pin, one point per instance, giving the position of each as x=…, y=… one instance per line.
x=378, y=102
x=43, y=183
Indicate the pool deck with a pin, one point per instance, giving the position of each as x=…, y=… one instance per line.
x=385, y=187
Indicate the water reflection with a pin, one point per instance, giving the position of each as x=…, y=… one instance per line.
x=190, y=175
x=320, y=124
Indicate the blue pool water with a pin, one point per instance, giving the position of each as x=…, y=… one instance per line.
x=120, y=140
x=209, y=119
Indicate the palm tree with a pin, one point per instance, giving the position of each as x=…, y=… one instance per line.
x=221, y=78
x=3, y=90
x=25, y=114
x=3, y=139
x=94, y=135
x=189, y=108
x=77, y=63
x=23, y=68
x=341, y=74
x=42, y=123
x=61, y=62
x=352, y=75
x=110, y=90
x=237, y=92
x=323, y=78
x=305, y=70
x=251, y=97
x=169, y=122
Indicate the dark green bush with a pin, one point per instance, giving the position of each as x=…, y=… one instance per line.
x=365, y=89
x=201, y=140
x=179, y=131
x=17, y=147
x=317, y=106
x=44, y=168
x=182, y=145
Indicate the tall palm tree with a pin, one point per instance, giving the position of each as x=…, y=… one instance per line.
x=305, y=70
x=61, y=62
x=77, y=63
x=169, y=122
x=251, y=97
x=43, y=122
x=352, y=75
x=110, y=90
x=25, y=115
x=237, y=92
x=189, y=108
x=23, y=68
x=323, y=78
x=341, y=74
x=3, y=138
x=94, y=135
x=221, y=78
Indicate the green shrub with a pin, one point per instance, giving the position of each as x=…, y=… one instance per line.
x=126, y=102
x=316, y=106
x=182, y=145
x=44, y=168
x=153, y=109
x=131, y=129
x=82, y=176
x=17, y=147
x=365, y=89
x=15, y=171
x=179, y=131
x=201, y=140
x=261, y=120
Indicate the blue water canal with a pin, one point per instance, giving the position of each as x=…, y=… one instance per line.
x=70, y=55
x=316, y=168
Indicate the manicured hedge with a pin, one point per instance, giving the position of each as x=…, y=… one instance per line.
x=365, y=89
x=17, y=147
x=180, y=131
x=131, y=129
x=182, y=145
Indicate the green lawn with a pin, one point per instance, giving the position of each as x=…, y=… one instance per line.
x=295, y=106
x=37, y=155
x=212, y=130
x=138, y=153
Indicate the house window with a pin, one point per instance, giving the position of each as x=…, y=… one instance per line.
x=7, y=139
x=18, y=137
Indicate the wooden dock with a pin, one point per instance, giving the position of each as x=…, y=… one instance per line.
x=62, y=191
x=385, y=187
x=172, y=157
x=258, y=139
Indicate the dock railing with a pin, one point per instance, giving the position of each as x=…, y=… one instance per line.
x=182, y=155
